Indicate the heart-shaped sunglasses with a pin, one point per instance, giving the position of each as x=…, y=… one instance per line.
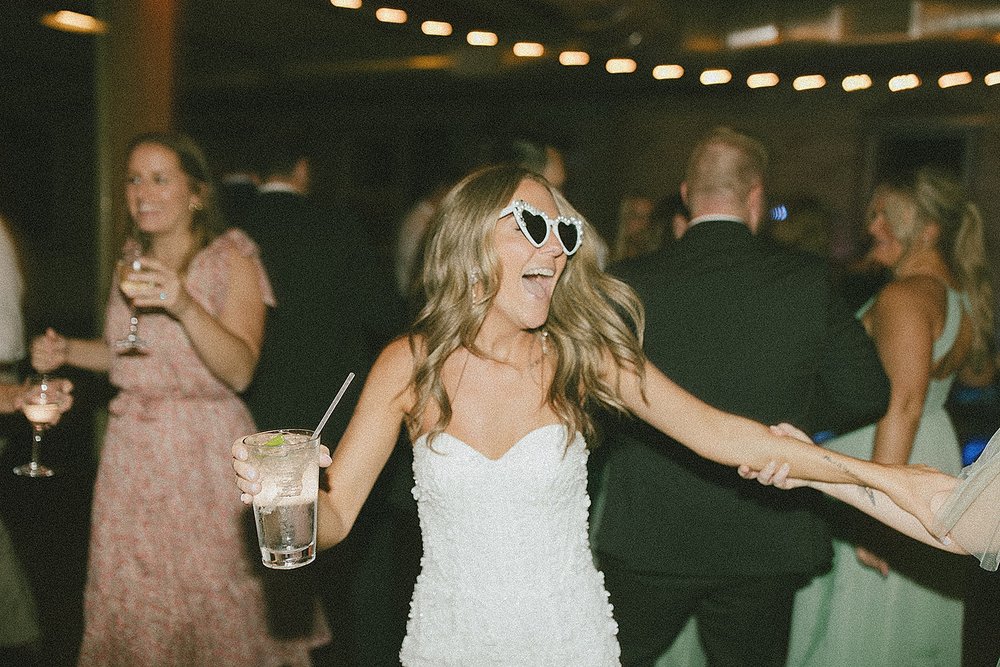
x=535, y=226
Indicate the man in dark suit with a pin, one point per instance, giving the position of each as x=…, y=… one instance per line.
x=335, y=308
x=753, y=330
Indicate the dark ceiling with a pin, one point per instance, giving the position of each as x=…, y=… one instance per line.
x=253, y=46
x=261, y=44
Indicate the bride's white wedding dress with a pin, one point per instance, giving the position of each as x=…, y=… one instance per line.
x=507, y=576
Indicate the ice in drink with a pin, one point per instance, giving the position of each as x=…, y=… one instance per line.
x=285, y=509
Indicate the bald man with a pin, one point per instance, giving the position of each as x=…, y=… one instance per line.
x=754, y=330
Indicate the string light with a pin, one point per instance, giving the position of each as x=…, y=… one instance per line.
x=856, y=82
x=574, y=58
x=762, y=80
x=708, y=77
x=75, y=22
x=620, y=66
x=954, y=79
x=482, y=38
x=668, y=72
x=528, y=50
x=715, y=77
x=437, y=28
x=904, y=82
x=387, y=15
x=809, y=82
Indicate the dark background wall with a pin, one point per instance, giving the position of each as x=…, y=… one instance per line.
x=380, y=142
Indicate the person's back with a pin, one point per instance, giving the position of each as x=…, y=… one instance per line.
x=335, y=307
x=747, y=328
x=751, y=329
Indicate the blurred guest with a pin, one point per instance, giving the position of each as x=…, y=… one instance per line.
x=162, y=584
x=334, y=310
x=754, y=330
x=19, y=629
x=672, y=214
x=541, y=157
x=887, y=603
x=638, y=231
x=11, y=318
x=802, y=224
x=410, y=238
x=237, y=192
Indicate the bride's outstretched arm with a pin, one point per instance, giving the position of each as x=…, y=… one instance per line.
x=872, y=502
x=732, y=440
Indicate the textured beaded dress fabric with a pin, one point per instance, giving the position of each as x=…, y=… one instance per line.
x=507, y=576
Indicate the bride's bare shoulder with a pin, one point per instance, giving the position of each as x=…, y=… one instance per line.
x=399, y=356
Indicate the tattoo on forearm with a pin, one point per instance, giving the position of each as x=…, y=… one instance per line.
x=842, y=468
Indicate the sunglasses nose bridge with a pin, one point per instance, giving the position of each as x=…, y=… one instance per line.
x=552, y=242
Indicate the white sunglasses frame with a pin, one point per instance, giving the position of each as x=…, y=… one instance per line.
x=516, y=207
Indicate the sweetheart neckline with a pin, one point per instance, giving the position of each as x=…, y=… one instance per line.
x=484, y=456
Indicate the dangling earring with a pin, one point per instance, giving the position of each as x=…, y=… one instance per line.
x=545, y=342
x=195, y=206
x=473, y=282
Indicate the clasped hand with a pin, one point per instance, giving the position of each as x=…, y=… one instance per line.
x=775, y=473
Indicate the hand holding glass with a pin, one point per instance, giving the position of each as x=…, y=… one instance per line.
x=44, y=400
x=130, y=283
x=287, y=465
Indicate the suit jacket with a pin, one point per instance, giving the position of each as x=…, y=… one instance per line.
x=754, y=330
x=335, y=308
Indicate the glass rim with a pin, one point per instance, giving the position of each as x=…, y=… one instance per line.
x=311, y=438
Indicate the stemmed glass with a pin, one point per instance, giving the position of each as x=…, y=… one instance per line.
x=42, y=403
x=127, y=266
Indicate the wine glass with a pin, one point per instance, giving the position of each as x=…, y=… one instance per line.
x=127, y=266
x=42, y=402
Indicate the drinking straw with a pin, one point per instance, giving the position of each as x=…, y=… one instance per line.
x=336, y=399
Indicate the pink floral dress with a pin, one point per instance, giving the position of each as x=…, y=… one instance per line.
x=170, y=580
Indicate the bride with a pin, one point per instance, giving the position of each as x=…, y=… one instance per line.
x=521, y=337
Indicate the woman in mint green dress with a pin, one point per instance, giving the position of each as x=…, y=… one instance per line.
x=889, y=600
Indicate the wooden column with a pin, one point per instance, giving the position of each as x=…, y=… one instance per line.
x=135, y=93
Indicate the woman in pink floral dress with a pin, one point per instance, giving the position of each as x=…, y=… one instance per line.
x=168, y=561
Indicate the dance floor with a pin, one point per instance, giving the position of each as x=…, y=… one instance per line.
x=48, y=520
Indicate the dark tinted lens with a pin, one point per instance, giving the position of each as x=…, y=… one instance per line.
x=536, y=227
x=569, y=235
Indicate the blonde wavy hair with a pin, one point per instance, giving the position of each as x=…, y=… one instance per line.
x=937, y=198
x=593, y=318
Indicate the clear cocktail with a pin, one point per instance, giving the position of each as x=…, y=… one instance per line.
x=287, y=461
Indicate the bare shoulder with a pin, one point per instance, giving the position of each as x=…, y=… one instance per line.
x=397, y=355
x=393, y=369
x=921, y=296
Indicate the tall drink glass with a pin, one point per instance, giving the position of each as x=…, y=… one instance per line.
x=287, y=461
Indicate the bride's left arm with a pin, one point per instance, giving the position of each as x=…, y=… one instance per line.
x=936, y=487
x=732, y=440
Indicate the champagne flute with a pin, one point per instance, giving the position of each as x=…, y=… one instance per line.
x=41, y=403
x=128, y=265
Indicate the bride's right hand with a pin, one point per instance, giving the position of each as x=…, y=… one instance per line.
x=246, y=473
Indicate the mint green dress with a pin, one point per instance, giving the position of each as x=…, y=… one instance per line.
x=854, y=616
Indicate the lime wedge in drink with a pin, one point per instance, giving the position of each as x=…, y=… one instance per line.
x=275, y=441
